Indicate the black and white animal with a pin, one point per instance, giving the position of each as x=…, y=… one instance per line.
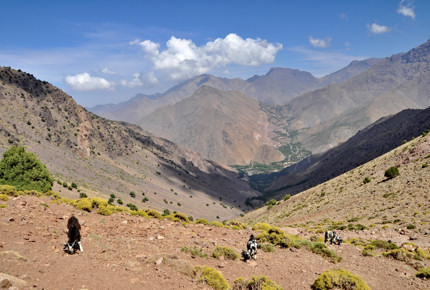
x=74, y=235
x=332, y=237
x=251, y=247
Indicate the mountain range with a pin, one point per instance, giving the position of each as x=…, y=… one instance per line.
x=304, y=114
x=105, y=157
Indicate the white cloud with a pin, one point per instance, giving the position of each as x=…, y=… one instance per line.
x=406, y=8
x=85, y=82
x=183, y=59
x=145, y=80
x=107, y=71
x=378, y=29
x=317, y=42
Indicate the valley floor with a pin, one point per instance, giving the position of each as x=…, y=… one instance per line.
x=130, y=252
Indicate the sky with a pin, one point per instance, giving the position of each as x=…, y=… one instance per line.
x=108, y=51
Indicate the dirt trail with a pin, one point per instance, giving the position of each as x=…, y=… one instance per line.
x=130, y=252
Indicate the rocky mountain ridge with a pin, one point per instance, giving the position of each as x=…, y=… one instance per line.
x=106, y=157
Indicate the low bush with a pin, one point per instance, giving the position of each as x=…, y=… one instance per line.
x=392, y=172
x=339, y=279
x=325, y=252
x=202, y=221
x=155, y=214
x=423, y=273
x=399, y=254
x=267, y=248
x=261, y=227
x=9, y=190
x=212, y=277
x=256, y=283
x=140, y=212
x=226, y=252
x=217, y=224
x=369, y=250
x=104, y=211
x=195, y=252
x=4, y=197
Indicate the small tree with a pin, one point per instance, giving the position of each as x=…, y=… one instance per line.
x=133, y=194
x=24, y=170
x=392, y=172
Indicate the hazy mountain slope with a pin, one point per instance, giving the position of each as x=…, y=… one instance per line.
x=225, y=126
x=106, y=157
x=375, y=140
x=354, y=68
x=142, y=105
x=393, y=84
x=278, y=86
x=380, y=204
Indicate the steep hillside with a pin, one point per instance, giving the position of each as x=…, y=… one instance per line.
x=227, y=126
x=375, y=140
x=364, y=198
x=105, y=157
x=330, y=115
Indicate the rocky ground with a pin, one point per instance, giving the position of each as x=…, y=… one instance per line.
x=125, y=252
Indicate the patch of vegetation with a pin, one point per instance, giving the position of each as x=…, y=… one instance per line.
x=153, y=213
x=202, y=221
x=392, y=172
x=217, y=224
x=24, y=171
x=4, y=197
x=286, y=197
x=267, y=248
x=255, y=283
x=339, y=279
x=133, y=194
x=423, y=273
x=140, y=212
x=366, y=180
x=411, y=227
x=261, y=227
x=2, y=206
x=212, y=277
x=369, y=250
x=195, y=252
x=228, y=253
x=132, y=206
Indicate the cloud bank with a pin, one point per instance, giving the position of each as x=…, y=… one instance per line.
x=182, y=58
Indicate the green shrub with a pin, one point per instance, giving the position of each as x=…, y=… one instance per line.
x=226, y=252
x=369, y=250
x=133, y=194
x=286, y=197
x=153, y=213
x=271, y=202
x=392, y=172
x=217, y=224
x=202, y=221
x=261, y=227
x=83, y=204
x=325, y=252
x=422, y=253
x=423, y=273
x=366, y=180
x=4, y=197
x=119, y=201
x=166, y=212
x=425, y=165
x=132, y=206
x=256, y=283
x=74, y=185
x=267, y=248
x=194, y=252
x=339, y=279
x=24, y=170
x=2, y=206
x=237, y=225
x=399, y=254
x=140, y=212
x=104, y=211
x=112, y=195
x=384, y=245
x=83, y=195
x=411, y=227
x=9, y=190
x=212, y=277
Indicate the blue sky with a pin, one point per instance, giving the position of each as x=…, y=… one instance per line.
x=108, y=51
